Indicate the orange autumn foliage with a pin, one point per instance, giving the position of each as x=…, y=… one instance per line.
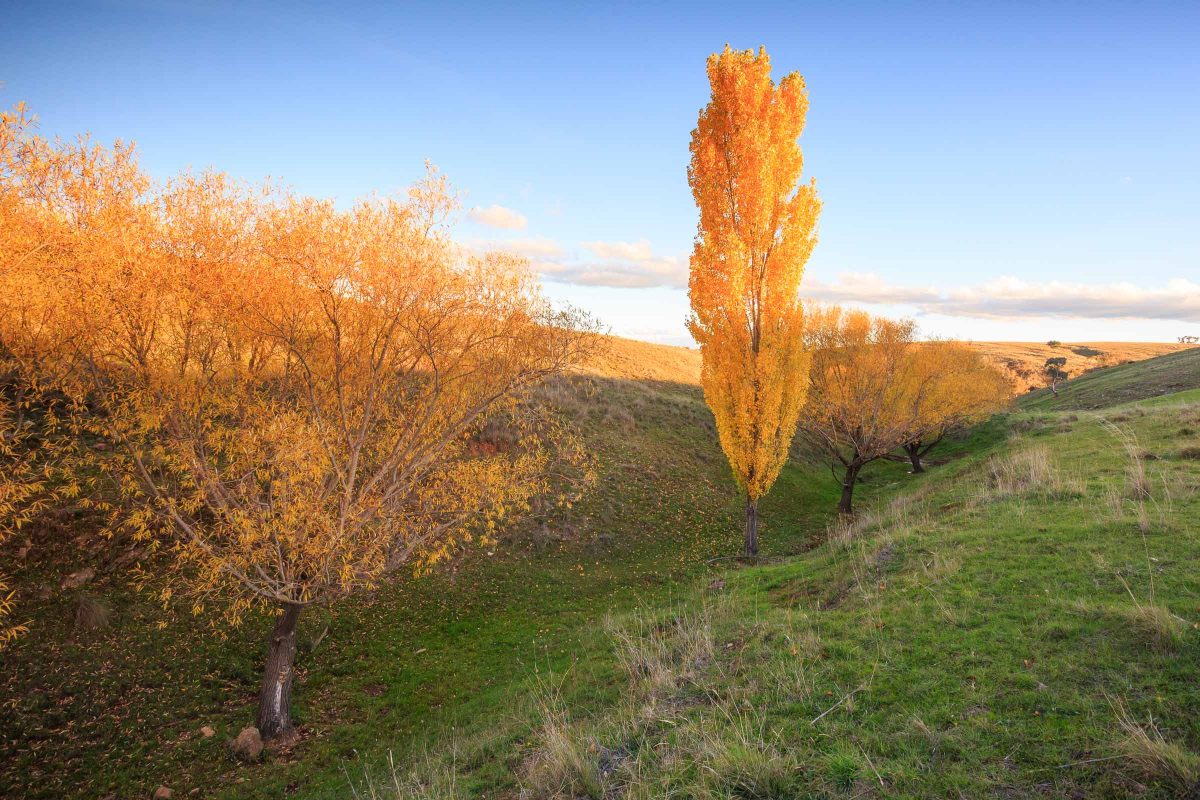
x=757, y=229
x=874, y=388
x=291, y=396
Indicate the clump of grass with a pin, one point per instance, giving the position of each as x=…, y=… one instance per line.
x=1156, y=758
x=662, y=655
x=564, y=762
x=1163, y=630
x=429, y=780
x=1026, y=470
x=844, y=529
x=737, y=759
x=91, y=615
x=618, y=418
x=1136, y=480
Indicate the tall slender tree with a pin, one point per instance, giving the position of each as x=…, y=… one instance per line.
x=757, y=230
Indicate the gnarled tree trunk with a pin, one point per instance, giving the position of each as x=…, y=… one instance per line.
x=275, y=698
x=751, y=527
x=846, y=505
x=914, y=455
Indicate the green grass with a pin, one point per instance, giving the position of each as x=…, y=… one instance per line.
x=1154, y=377
x=1021, y=624
x=119, y=711
x=980, y=630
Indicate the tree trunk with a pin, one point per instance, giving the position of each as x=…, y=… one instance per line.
x=846, y=506
x=914, y=455
x=751, y=527
x=275, y=699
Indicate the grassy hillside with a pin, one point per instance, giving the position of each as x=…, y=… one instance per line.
x=630, y=359
x=1023, y=361
x=1020, y=623
x=119, y=710
x=982, y=631
x=1154, y=377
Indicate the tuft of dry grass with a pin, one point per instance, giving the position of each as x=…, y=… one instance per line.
x=663, y=655
x=564, y=763
x=1154, y=756
x=430, y=779
x=740, y=759
x=1027, y=470
x=1163, y=630
x=91, y=614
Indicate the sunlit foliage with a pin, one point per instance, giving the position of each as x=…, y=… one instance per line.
x=289, y=395
x=874, y=389
x=757, y=229
x=949, y=385
x=31, y=435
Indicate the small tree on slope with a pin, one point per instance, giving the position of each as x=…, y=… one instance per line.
x=1054, y=371
x=948, y=385
x=858, y=408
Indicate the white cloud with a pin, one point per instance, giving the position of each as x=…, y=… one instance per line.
x=621, y=251
x=612, y=264
x=534, y=247
x=620, y=264
x=496, y=216
x=1013, y=298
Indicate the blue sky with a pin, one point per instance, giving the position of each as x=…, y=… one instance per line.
x=997, y=170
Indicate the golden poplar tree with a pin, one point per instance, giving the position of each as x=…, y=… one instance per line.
x=757, y=229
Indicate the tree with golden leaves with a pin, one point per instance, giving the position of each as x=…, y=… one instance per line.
x=756, y=232
x=858, y=407
x=949, y=385
x=292, y=396
x=874, y=389
x=32, y=439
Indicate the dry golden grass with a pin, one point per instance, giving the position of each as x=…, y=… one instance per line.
x=1022, y=361
x=635, y=360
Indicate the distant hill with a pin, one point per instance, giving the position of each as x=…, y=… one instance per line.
x=644, y=361
x=1154, y=377
x=1022, y=361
